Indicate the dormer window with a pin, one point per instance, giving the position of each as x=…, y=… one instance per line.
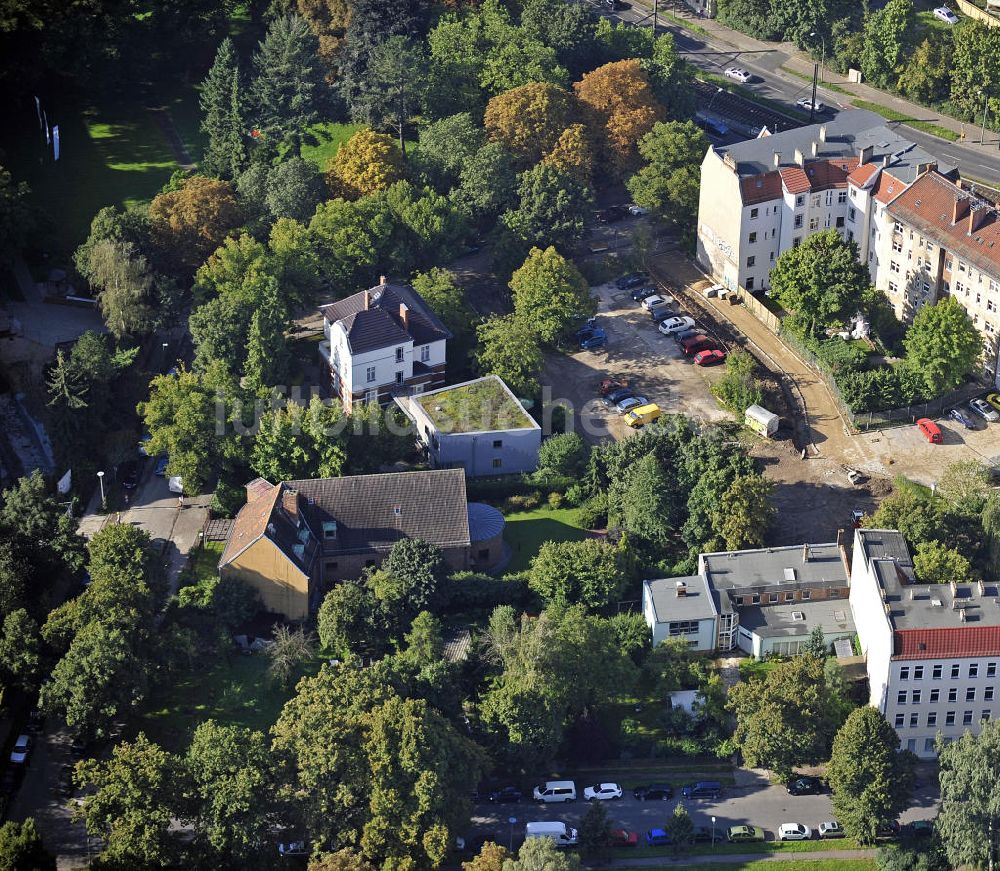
x=397, y=510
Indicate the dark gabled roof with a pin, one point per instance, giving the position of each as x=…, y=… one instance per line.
x=372, y=318
x=372, y=512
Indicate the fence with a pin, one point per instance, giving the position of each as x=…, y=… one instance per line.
x=760, y=311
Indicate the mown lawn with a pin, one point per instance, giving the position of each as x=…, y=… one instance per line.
x=893, y=115
x=527, y=530
x=330, y=137
x=786, y=865
x=765, y=847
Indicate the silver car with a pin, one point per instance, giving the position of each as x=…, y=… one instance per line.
x=984, y=410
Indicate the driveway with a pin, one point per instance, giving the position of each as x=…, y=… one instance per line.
x=756, y=802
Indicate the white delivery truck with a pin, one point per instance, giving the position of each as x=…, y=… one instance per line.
x=561, y=834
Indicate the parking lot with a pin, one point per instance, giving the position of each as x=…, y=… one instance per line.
x=653, y=365
x=755, y=802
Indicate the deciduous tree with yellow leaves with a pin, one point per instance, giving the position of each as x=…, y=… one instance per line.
x=530, y=119
x=366, y=163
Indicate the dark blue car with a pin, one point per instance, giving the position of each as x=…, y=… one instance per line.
x=657, y=838
x=594, y=339
x=633, y=279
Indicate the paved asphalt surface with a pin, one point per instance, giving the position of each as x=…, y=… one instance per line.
x=770, y=81
x=759, y=804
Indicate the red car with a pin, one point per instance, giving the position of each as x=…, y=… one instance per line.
x=610, y=385
x=931, y=431
x=623, y=838
x=698, y=343
x=709, y=358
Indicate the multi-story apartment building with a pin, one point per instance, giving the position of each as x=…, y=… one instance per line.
x=760, y=601
x=932, y=650
x=761, y=197
x=936, y=239
x=381, y=343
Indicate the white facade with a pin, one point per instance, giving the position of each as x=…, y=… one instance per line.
x=697, y=626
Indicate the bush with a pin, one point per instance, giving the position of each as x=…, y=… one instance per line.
x=555, y=499
x=594, y=512
x=576, y=495
x=472, y=591
x=840, y=357
x=564, y=454
x=738, y=389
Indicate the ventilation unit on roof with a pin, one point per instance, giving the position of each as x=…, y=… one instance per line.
x=916, y=202
x=798, y=615
x=935, y=603
x=840, y=616
x=789, y=574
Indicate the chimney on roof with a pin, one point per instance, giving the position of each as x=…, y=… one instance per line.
x=954, y=588
x=800, y=158
x=368, y=300
x=404, y=315
x=959, y=209
x=977, y=216
x=290, y=504
x=982, y=587
x=865, y=154
x=805, y=553
x=925, y=167
x=822, y=132
x=961, y=614
x=815, y=148
x=777, y=159
x=886, y=159
x=381, y=281
x=681, y=589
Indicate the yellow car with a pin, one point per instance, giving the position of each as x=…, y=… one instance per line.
x=642, y=415
x=994, y=400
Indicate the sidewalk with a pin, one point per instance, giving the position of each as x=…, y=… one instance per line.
x=741, y=858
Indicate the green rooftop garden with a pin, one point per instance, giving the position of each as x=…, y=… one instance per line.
x=475, y=407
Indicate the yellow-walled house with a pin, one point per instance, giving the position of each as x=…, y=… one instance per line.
x=294, y=540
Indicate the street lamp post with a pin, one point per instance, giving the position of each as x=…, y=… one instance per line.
x=510, y=842
x=982, y=134
x=822, y=62
x=713, y=831
x=718, y=91
x=104, y=502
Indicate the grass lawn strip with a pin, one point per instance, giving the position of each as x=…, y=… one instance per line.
x=859, y=864
x=893, y=115
x=727, y=849
x=526, y=531
x=830, y=86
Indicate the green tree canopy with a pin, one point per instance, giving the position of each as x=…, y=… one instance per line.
x=550, y=292
x=16, y=217
x=588, y=572
x=565, y=454
x=870, y=778
x=942, y=345
x=508, y=347
x=223, y=113
x=936, y=563
x=21, y=848
x=551, y=210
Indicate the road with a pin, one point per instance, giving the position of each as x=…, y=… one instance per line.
x=755, y=802
x=721, y=47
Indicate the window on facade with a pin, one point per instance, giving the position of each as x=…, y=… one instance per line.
x=399, y=377
x=954, y=672
x=928, y=745
x=904, y=673
x=935, y=696
x=772, y=257
x=970, y=694
x=751, y=261
x=918, y=672
x=916, y=697
x=899, y=721
x=798, y=222
x=806, y=594
x=371, y=396
x=772, y=597
x=840, y=222
x=370, y=374
x=949, y=718
x=953, y=695
x=753, y=214
x=897, y=227
x=988, y=694
x=901, y=697
x=841, y=196
x=800, y=200
x=796, y=241
x=425, y=353
x=851, y=215
x=755, y=599
x=893, y=266
x=932, y=719
x=985, y=715
x=814, y=223
x=893, y=287
x=897, y=246
x=936, y=672
x=498, y=443
x=683, y=627
x=399, y=355
x=913, y=721
x=961, y=266
x=967, y=718
x=974, y=669
x=991, y=669
x=497, y=462
x=817, y=199
x=750, y=282
x=753, y=238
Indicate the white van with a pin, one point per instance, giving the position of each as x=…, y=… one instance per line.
x=561, y=834
x=554, y=791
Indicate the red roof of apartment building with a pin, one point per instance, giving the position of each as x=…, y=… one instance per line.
x=960, y=641
x=760, y=188
x=860, y=176
x=887, y=188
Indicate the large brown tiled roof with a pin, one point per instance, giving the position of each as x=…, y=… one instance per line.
x=887, y=188
x=375, y=511
x=379, y=324
x=760, y=188
x=947, y=643
x=928, y=205
x=861, y=174
x=250, y=524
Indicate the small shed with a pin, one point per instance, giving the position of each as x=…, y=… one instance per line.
x=685, y=700
x=761, y=421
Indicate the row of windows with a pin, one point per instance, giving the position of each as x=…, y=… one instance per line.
x=755, y=599
x=938, y=670
x=949, y=719
x=683, y=627
x=915, y=696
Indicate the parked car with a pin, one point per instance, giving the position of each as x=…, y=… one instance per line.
x=807, y=104
x=653, y=792
x=739, y=75
x=709, y=358
x=675, y=325
x=888, y=829
x=959, y=416
x=616, y=396
x=630, y=403
x=737, y=834
x=637, y=211
x=698, y=342
x=657, y=838
x=128, y=474
x=919, y=829
x=160, y=470
x=612, y=214
x=623, y=838
x=931, y=431
x=794, y=832
x=555, y=791
x=805, y=785
x=642, y=415
x=984, y=410
x=610, y=385
x=506, y=795
x=684, y=335
x=830, y=829
x=633, y=279
x=640, y=293
x=602, y=792
x=292, y=848
x=595, y=339
x=702, y=789
x=943, y=13
x=142, y=444
x=22, y=750
x=589, y=325
x=661, y=313
x=653, y=301
x=702, y=835
x=994, y=400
